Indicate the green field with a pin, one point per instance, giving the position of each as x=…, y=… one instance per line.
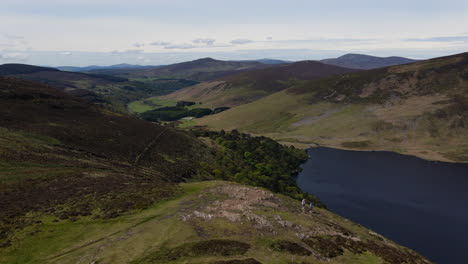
x=150, y=104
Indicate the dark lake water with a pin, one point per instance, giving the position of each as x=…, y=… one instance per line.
x=419, y=204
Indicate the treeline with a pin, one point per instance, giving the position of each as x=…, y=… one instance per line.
x=179, y=111
x=257, y=161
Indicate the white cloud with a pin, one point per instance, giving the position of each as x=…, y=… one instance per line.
x=138, y=45
x=160, y=43
x=180, y=46
x=207, y=41
x=15, y=56
x=131, y=51
x=241, y=41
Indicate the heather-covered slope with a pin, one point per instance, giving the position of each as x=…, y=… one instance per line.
x=419, y=109
x=62, y=156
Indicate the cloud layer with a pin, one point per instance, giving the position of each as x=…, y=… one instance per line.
x=128, y=31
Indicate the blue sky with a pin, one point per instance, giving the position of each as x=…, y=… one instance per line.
x=103, y=32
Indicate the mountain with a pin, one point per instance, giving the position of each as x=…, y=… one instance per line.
x=13, y=69
x=251, y=85
x=79, y=183
x=270, y=61
x=202, y=69
x=197, y=70
x=419, y=109
x=95, y=67
x=366, y=62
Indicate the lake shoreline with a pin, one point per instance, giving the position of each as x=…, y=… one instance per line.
x=409, y=192
x=426, y=157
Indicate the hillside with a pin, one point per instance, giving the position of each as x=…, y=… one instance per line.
x=249, y=86
x=212, y=222
x=366, y=62
x=419, y=109
x=107, y=90
x=79, y=183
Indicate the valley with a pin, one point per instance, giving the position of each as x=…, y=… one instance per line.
x=233, y=132
x=196, y=162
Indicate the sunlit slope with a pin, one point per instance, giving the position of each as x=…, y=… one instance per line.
x=419, y=109
x=252, y=85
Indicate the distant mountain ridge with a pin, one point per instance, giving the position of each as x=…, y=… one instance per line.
x=366, y=62
x=203, y=69
x=17, y=68
x=136, y=66
x=95, y=67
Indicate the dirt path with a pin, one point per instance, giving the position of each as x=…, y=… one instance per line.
x=148, y=147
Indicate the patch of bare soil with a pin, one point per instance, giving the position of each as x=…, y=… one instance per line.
x=324, y=238
x=240, y=205
x=313, y=119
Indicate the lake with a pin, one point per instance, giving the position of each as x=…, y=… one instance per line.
x=419, y=204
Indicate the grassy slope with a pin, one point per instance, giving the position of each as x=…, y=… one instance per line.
x=64, y=157
x=249, y=86
x=145, y=236
x=418, y=109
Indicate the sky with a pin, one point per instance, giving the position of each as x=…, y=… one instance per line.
x=156, y=32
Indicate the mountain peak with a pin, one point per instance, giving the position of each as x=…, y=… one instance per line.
x=366, y=62
x=207, y=59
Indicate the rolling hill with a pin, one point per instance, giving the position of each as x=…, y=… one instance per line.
x=79, y=183
x=251, y=85
x=366, y=62
x=419, y=109
x=112, y=91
